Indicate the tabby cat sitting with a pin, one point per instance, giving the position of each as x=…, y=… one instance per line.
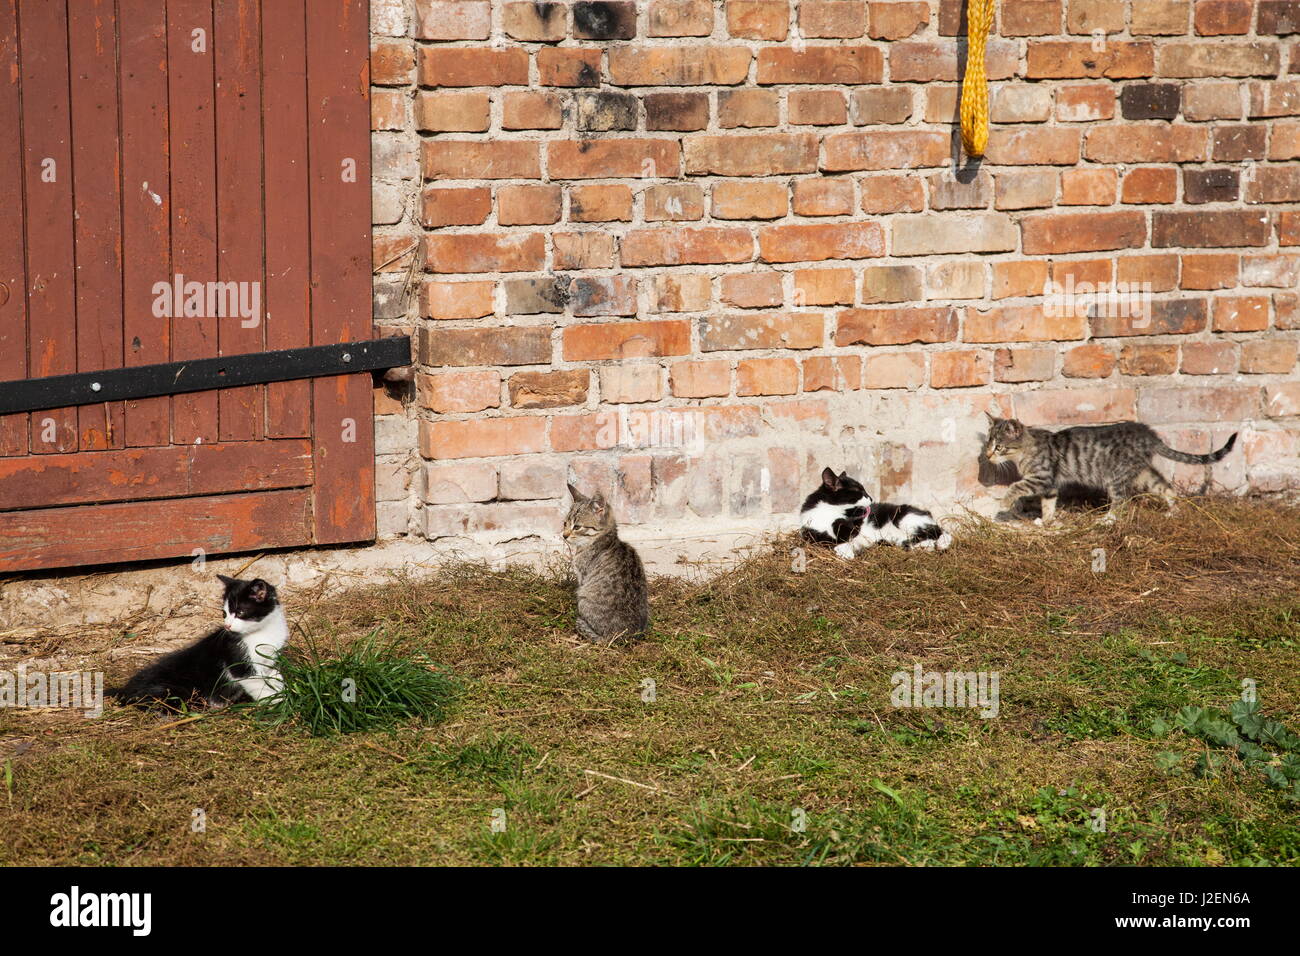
x=613, y=596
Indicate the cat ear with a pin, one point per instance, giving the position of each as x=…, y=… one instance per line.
x=598, y=501
x=993, y=419
x=227, y=581
x=577, y=495
x=259, y=591
x=1014, y=428
x=830, y=479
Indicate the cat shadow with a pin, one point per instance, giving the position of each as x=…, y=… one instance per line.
x=1072, y=496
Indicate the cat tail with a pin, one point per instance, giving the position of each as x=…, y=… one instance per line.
x=1164, y=451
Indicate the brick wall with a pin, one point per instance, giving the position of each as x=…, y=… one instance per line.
x=687, y=252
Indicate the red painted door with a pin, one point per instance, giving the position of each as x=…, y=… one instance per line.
x=220, y=148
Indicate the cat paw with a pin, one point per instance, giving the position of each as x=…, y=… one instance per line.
x=844, y=551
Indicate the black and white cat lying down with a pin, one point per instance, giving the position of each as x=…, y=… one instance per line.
x=841, y=513
x=236, y=662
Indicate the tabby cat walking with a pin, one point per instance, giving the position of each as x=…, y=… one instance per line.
x=613, y=597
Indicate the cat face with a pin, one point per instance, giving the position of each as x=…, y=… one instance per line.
x=246, y=603
x=587, y=517
x=1006, y=439
x=842, y=490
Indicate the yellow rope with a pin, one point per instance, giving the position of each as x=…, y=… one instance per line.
x=975, y=86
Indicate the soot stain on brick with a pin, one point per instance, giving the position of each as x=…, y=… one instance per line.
x=597, y=21
x=588, y=76
x=607, y=111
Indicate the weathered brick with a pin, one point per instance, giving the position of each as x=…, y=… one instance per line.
x=469, y=252
x=824, y=287
x=391, y=63
x=583, y=250
x=758, y=19
x=752, y=290
x=711, y=379
x=1214, y=18
x=1203, y=229
x=605, y=111
x=627, y=384
x=531, y=479
x=1052, y=233
x=554, y=389
x=455, y=392
x=767, y=376
x=960, y=369
x=699, y=65
x=529, y=205
x=1149, y=101
x=600, y=202
x=681, y=18
x=473, y=66
x=1218, y=59
x=1024, y=365
x=817, y=107
x=1209, y=185
x=1147, y=144
x=454, y=483
x=1018, y=279
x=795, y=330
x=677, y=246
x=896, y=326
x=895, y=21
x=531, y=110
x=602, y=295
x=613, y=159
x=891, y=194
x=456, y=300
x=1159, y=17
x=570, y=66
x=1024, y=189
x=1197, y=404
x=530, y=345
x=1027, y=18
x=464, y=20
x=928, y=62
x=748, y=108
x=755, y=155
x=823, y=197
x=952, y=233
x=815, y=242
x=1085, y=103
x=885, y=149
x=882, y=284
x=1162, y=317
x=1278, y=18
x=1076, y=59
x=535, y=22
x=674, y=203
x=740, y=200
x=1034, y=146
x=1211, y=101
x=1088, y=187
x=1244, y=313
x=873, y=107
x=535, y=296
x=1210, y=271
x=478, y=159
x=1150, y=184
x=1074, y=406
x=606, y=20
x=1022, y=323
x=683, y=112
x=622, y=340
x=895, y=370
x=1268, y=356
x=957, y=280
x=836, y=19
x=468, y=206
x=1148, y=359
x=681, y=293
x=1209, y=358
x=821, y=64
x=1088, y=361
x=950, y=192
x=482, y=437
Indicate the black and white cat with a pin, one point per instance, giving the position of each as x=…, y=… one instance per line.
x=236, y=662
x=840, y=512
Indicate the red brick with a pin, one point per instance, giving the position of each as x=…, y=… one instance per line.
x=740, y=200
x=824, y=287
x=458, y=392
x=1088, y=187
x=1150, y=185
x=1018, y=279
x=815, y=242
x=674, y=202
x=553, y=389
x=767, y=376
x=1051, y=233
x=456, y=300
x=677, y=246
x=746, y=330
x=1246, y=313
x=530, y=345
x=569, y=66
x=831, y=65
x=473, y=66
x=1222, y=17
x=1034, y=146
x=681, y=293
x=622, y=340
x=535, y=22
x=1198, y=58
x=748, y=108
x=882, y=195
x=613, y=159
x=478, y=159
x=485, y=253
x=761, y=20
x=696, y=65
x=1085, y=103
x=1022, y=323
x=529, y=205
x=897, y=21
x=482, y=437
x=1209, y=229
x=709, y=379
x=1209, y=271
x=885, y=149
x=681, y=18
x=1030, y=18
x=583, y=250
x=1145, y=143
x=1075, y=59
x=896, y=326
x=1162, y=317
x=753, y=290
x=1209, y=358
x=817, y=108
x=463, y=20
x=823, y=197
x=453, y=112
x=391, y=63
x=836, y=19
x=469, y=206
x=1268, y=356
x=1024, y=365
x=1160, y=272
x=964, y=369
x=600, y=203
x=895, y=370
x=1088, y=361
x=758, y=155
x=1075, y=406
x=1147, y=359
x=531, y=110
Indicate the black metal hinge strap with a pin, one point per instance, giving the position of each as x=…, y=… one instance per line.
x=199, y=375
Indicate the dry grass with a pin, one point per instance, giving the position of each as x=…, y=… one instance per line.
x=772, y=701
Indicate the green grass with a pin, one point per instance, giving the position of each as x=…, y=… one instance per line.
x=770, y=740
x=369, y=685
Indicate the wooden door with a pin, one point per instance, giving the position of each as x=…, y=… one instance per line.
x=225, y=142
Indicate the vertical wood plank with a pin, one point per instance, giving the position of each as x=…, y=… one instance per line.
x=13, y=269
x=288, y=254
x=237, y=47
x=97, y=205
x=146, y=206
x=338, y=109
x=47, y=161
x=193, y=197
